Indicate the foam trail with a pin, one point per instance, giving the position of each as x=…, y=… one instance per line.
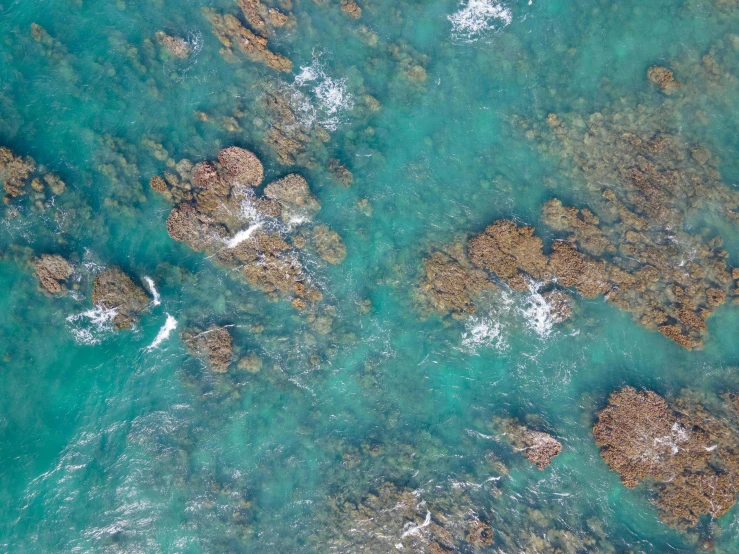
x=241, y=236
x=163, y=334
x=150, y=283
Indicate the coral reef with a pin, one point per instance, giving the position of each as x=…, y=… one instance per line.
x=213, y=346
x=686, y=453
x=538, y=447
x=219, y=211
x=52, y=272
x=115, y=291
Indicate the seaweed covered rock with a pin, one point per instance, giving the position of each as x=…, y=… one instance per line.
x=451, y=282
x=538, y=447
x=390, y=518
x=686, y=453
x=213, y=346
x=232, y=34
x=52, y=272
x=176, y=46
x=511, y=252
x=219, y=210
x=113, y=290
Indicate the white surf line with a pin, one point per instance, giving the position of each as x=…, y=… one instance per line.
x=166, y=330
x=150, y=283
x=241, y=236
x=415, y=530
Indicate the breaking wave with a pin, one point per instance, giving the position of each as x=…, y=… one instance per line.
x=91, y=327
x=331, y=94
x=478, y=16
x=164, y=333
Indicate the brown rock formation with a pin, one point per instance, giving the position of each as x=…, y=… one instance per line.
x=114, y=290
x=176, y=46
x=213, y=346
x=690, y=456
x=233, y=34
x=219, y=211
x=14, y=172
x=538, y=447
x=52, y=272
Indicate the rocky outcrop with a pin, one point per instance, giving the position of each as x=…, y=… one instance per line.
x=113, y=290
x=687, y=453
x=538, y=447
x=52, y=272
x=220, y=211
x=176, y=46
x=15, y=172
x=451, y=282
x=213, y=346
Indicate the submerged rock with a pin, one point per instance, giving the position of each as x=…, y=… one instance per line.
x=390, y=518
x=52, y=272
x=295, y=197
x=350, y=8
x=116, y=291
x=538, y=447
x=328, y=244
x=213, y=346
x=687, y=454
x=663, y=78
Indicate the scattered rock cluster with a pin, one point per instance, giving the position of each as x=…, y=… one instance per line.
x=252, y=43
x=213, y=346
x=52, y=272
x=218, y=211
x=686, y=453
x=18, y=174
x=538, y=447
x=114, y=290
x=391, y=518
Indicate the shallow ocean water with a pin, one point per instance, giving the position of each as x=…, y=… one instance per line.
x=107, y=445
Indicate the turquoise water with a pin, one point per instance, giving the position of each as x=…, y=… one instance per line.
x=111, y=447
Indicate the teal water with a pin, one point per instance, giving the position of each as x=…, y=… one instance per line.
x=111, y=447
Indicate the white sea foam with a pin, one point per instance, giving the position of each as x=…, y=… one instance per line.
x=152, y=289
x=163, y=334
x=332, y=96
x=91, y=326
x=243, y=235
x=537, y=313
x=416, y=529
x=484, y=331
x=478, y=16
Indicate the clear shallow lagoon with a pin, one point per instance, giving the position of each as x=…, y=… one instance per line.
x=113, y=447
